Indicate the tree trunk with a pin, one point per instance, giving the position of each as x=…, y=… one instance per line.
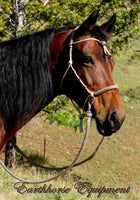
x=10, y=153
x=20, y=9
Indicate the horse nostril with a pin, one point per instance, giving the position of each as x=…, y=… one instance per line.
x=113, y=119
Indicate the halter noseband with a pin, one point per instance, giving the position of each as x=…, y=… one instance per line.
x=106, y=52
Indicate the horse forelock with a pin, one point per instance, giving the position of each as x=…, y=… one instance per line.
x=100, y=34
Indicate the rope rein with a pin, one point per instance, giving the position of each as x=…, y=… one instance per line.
x=67, y=168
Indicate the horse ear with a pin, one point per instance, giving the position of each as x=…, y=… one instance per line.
x=88, y=24
x=109, y=25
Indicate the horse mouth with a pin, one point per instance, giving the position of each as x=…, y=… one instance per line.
x=104, y=129
x=105, y=132
x=110, y=125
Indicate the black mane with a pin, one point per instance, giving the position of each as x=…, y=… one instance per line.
x=25, y=76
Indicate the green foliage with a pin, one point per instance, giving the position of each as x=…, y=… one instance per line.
x=61, y=111
x=127, y=25
x=59, y=13
x=7, y=25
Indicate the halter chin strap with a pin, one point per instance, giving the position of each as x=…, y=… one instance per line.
x=106, y=52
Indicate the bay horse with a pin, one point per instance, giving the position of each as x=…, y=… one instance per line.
x=34, y=70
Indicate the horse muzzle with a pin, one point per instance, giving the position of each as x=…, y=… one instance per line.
x=111, y=124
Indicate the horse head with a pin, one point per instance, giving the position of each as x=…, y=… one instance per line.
x=89, y=71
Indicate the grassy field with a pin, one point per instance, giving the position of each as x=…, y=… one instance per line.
x=117, y=165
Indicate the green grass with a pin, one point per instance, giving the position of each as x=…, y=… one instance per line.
x=116, y=165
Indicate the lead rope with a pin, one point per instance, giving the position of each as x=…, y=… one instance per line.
x=77, y=164
x=89, y=115
x=81, y=115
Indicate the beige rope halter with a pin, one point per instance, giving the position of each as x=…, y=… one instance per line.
x=70, y=65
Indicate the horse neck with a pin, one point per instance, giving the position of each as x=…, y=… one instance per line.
x=59, y=55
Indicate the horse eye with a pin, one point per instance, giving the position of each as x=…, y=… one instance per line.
x=89, y=60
